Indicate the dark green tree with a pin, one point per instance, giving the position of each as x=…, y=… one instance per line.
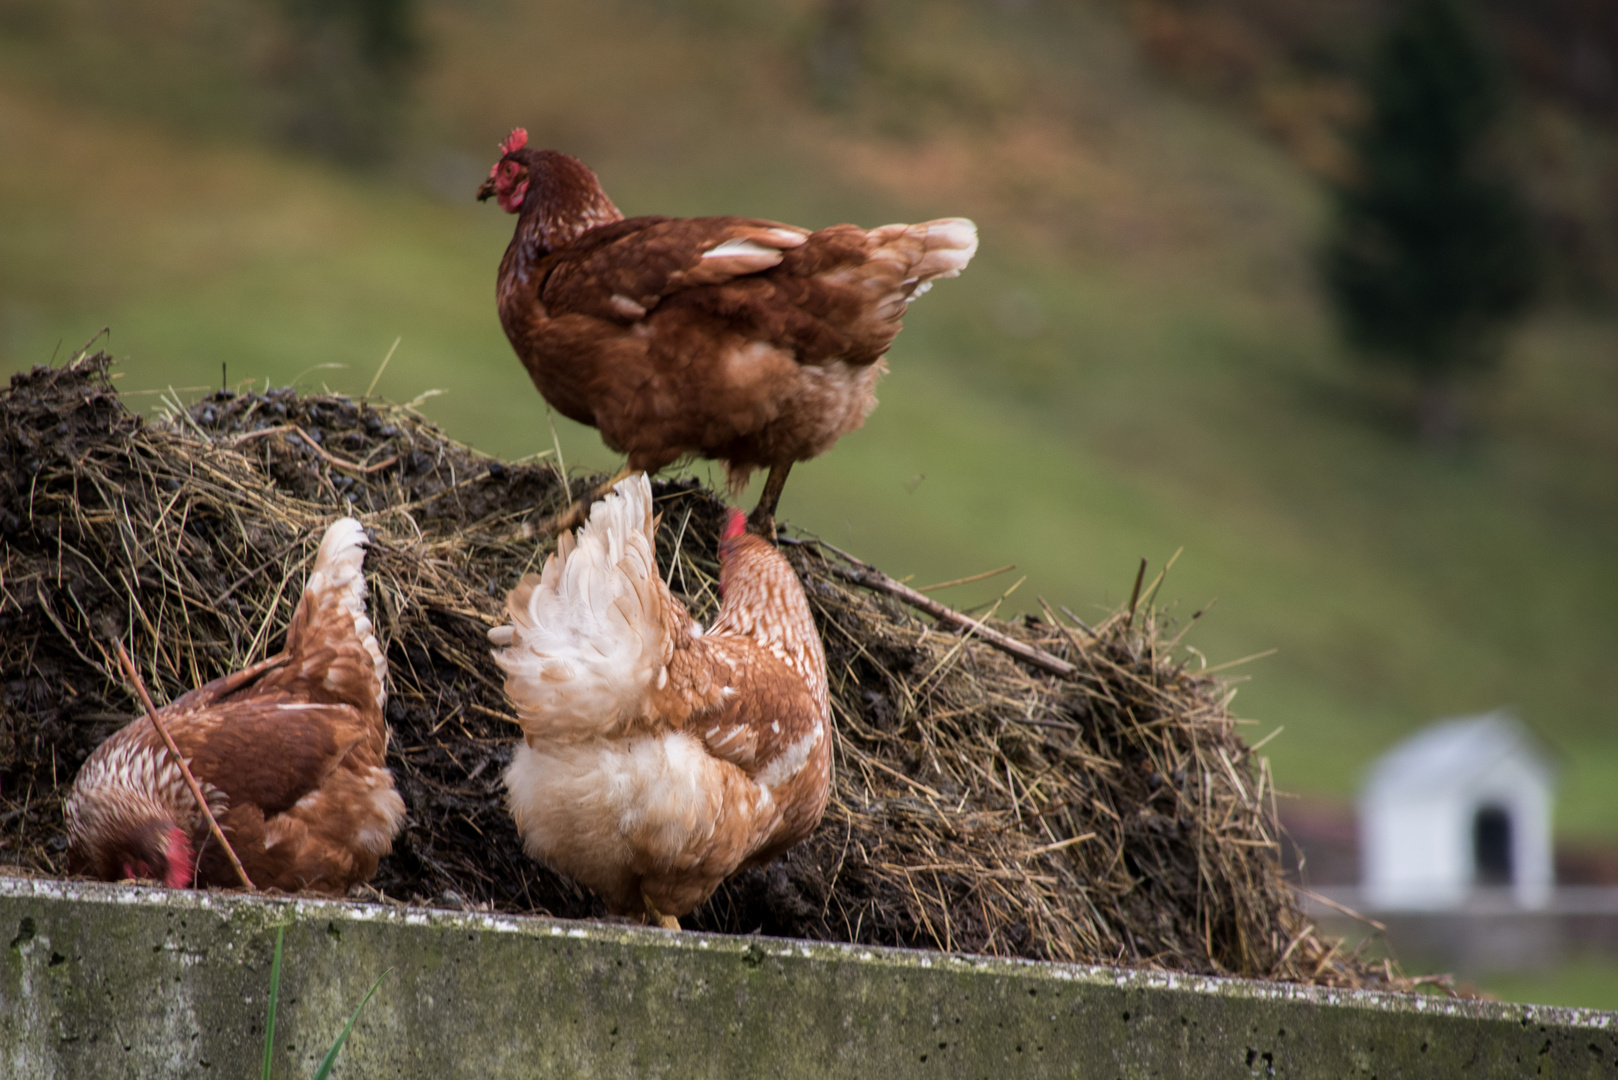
x=837, y=51
x=345, y=72
x=1432, y=257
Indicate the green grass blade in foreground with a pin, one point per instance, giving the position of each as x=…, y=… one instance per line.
x=275, y=993
x=331, y=1055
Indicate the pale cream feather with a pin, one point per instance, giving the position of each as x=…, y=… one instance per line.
x=602, y=809
x=586, y=644
x=947, y=245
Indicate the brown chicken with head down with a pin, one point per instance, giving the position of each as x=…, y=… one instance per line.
x=658, y=757
x=752, y=342
x=289, y=754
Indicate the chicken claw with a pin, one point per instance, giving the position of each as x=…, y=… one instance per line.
x=667, y=922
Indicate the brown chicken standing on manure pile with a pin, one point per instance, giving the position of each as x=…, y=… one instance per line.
x=659, y=758
x=748, y=341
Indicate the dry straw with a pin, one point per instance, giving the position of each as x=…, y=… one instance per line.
x=981, y=804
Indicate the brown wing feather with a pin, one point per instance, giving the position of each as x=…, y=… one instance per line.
x=326, y=661
x=645, y=260
x=270, y=750
x=271, y=733
x=711, y=366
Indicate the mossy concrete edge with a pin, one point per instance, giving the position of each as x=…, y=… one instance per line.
x=120, y=980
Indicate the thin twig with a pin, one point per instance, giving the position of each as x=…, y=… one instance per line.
x=1060, y=844
x=1134, y=595
x=1342, y=908
x=1066, y=635
x=317, y=448
x=1237, y=663
x=378, y=376
x=875, y=579
x=968, y=580
x=1080, y=623
x=185, y=770
x=243, y=580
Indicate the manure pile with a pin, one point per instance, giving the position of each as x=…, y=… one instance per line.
x=979, y=805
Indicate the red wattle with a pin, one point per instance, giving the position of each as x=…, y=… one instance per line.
x=735, y=525
x=182, y=869
x=511, y=201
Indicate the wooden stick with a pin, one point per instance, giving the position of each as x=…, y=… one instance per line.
x=872, y=578
x=185, y=770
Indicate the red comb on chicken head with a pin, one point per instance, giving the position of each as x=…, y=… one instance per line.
x=508, y=180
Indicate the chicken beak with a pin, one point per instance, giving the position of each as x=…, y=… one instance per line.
x=486, y=190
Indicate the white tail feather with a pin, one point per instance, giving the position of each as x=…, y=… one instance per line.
x=587, y=642
x=340, y=569
x=741, y=245
x=947, y=245
x=950, y=245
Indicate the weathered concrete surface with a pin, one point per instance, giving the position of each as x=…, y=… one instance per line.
x=120, y=981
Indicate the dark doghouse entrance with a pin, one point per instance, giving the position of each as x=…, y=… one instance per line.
x=1491, y=846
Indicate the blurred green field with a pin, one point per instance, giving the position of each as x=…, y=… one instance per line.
x=1137, y=362
x=1588, y=983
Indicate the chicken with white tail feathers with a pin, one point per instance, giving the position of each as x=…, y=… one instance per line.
x=659, y=758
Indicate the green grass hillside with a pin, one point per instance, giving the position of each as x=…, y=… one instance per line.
x=1137, y=362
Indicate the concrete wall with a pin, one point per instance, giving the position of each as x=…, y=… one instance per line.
x=119, y=981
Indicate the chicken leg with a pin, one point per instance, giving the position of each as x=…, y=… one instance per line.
x=571, y=518
x=761, y=522
x=667, y=922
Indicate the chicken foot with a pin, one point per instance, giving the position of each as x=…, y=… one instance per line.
x=571, y=518
x=761, y=522
x=656, y=917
